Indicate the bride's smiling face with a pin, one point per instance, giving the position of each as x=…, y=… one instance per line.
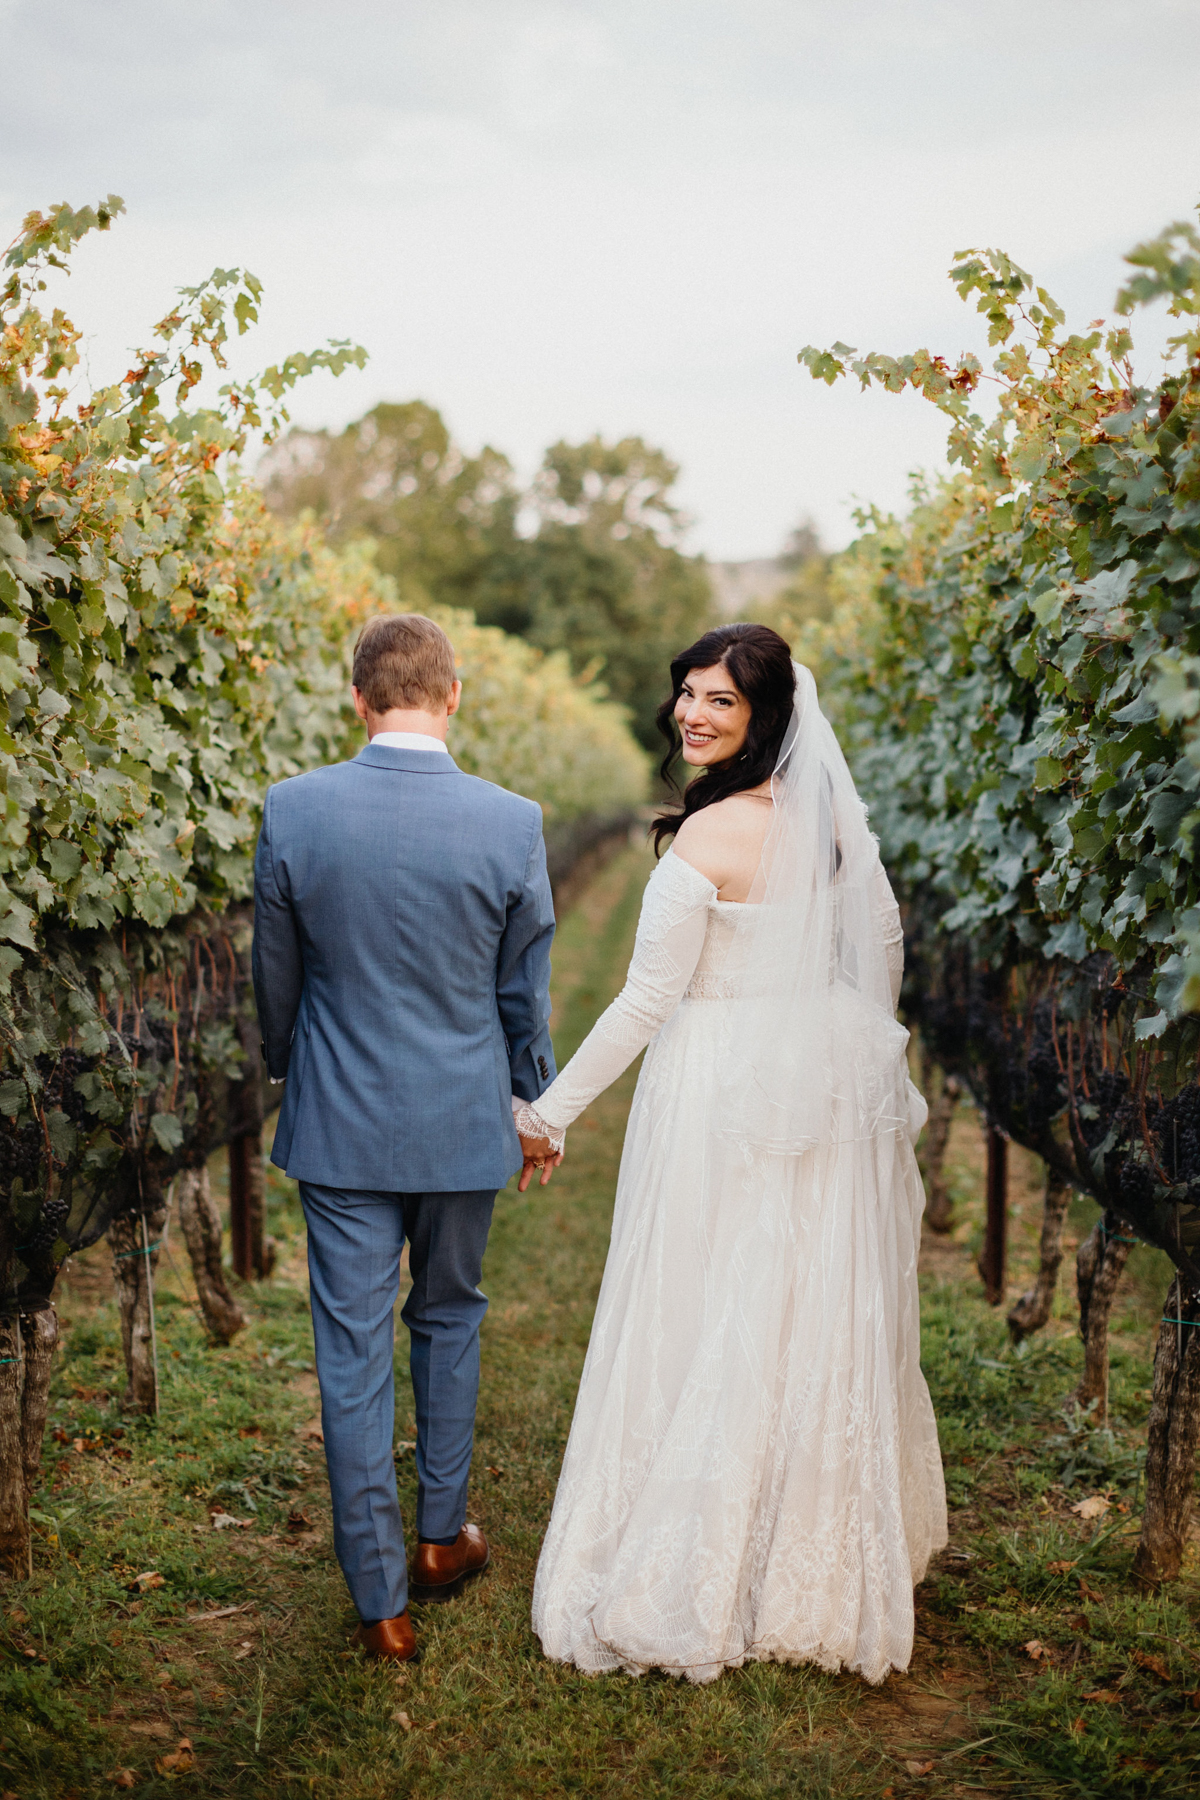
x=713, y=716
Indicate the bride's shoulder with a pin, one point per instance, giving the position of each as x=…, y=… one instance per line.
x=717, y=839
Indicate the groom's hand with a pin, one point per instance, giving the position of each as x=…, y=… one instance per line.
x=541, y=1156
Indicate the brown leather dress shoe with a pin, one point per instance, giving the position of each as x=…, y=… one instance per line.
x=389, y=1640
x=440, y=1571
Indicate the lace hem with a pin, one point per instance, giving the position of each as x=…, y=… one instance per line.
x=530, y=1124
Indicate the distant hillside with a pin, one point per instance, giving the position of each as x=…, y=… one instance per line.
x=739, y=586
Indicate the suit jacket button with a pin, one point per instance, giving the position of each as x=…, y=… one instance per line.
x=544, y=1066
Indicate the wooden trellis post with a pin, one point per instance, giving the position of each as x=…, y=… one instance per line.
x=247, y=1178
x=995, y=1241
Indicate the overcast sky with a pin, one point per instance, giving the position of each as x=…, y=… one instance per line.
x=554, y=217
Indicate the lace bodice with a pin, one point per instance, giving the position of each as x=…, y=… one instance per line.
x=716, y=975
x=687, y=948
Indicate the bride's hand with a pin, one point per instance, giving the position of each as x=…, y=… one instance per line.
x=540, y=1155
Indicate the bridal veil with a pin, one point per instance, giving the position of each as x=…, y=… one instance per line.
x=810, y=1053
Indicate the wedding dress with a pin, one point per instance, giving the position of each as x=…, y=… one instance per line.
x=753, y=1468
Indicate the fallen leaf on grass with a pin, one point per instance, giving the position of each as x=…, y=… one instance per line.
x=244, y=1649
x=1094, y=1507
x=180, y=1761
x=1035, y=1650
x=122, y=1778
x=149, y=1578
x=150, y=1728
x=220, y=1612
x=495, y=1473
x=1154, y=1664
x=1078, y=1725
x=1059, y=1568
x=402, y=1720
x=298, y=1521
x=223, y=1521
x=1194, y=1697
x=249, y=1430
x=312, y=1433
x=919, y=1768
x=1106, y=1696
x=1088, y=1592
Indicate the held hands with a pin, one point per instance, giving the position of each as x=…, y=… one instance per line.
x=538, y=1148
x=539, y=1154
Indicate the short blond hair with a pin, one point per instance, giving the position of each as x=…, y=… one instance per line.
x=403, y=660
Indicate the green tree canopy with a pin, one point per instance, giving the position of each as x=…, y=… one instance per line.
x=441, y=519
x=601, y=577
x=608, y=581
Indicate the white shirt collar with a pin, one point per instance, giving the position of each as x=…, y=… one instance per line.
x=408, y=740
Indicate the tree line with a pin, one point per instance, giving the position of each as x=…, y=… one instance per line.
x=586, y=561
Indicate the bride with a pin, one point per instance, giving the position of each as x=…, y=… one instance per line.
x=753, y=1466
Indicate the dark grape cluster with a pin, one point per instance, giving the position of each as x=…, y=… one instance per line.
x=1136, y=1186
x=1108, y=1097
x=1178, y=1131
x=1037, y=1071
x=46, y=1233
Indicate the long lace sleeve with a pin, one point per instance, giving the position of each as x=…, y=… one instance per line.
x=670, y=937
x=893, y=931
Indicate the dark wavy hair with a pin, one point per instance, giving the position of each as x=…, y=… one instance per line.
x=760, y=666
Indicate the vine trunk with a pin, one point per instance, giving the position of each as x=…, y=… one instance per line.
x=135, y=1263
x=1033, y=1308
x=1099, y=1264
x=26, y=1351
x=1173, y=1433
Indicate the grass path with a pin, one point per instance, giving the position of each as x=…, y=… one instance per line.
x=225, y=1669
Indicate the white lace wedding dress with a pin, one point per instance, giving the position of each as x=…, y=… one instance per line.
x=753, y=1467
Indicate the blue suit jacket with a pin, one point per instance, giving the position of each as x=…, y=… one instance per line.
x=402, y=927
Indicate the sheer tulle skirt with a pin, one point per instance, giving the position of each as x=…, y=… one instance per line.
x=753, y=1467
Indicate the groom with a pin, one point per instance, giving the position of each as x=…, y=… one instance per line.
x=402, y=927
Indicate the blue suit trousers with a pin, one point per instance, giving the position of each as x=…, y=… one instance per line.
x=355, y=1238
